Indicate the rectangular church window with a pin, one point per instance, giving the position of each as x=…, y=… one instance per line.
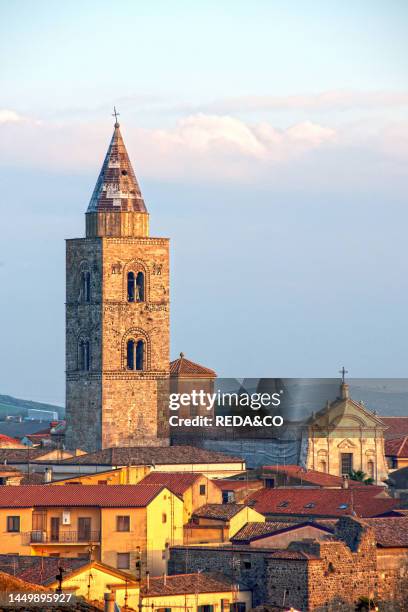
x=346, y=463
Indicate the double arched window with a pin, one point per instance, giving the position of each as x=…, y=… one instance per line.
x=135, y=287
x=135, y=355
x=86, y=286
x=84, y=355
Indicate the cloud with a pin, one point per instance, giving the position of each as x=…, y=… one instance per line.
x=10, y=116
x=221, y=147
x=335, y=100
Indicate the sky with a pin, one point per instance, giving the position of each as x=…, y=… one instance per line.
x=270, y=140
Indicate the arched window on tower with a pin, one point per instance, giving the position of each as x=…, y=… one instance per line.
x=135, y=355
x=135, y=287
x=84, y=355
x=86, y=286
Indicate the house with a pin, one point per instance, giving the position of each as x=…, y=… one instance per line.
x=293, y=503
x=194, y=489
x=117, y=525
x=280, y=534
x=396, y=452
x=218, y=522
x=10, y=475
x=84, y=578
x=198, y=592
x=8, y=442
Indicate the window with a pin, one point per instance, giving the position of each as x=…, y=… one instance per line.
x=238, y=606
x=164, y=517
x=123, y=560
x=84, y=355
x=370, y=468
x=246, y=562
x=123, y=523
x=13, y=524
x=135, y=287
x=205, y=608
x=283, y=504
x=269, y=483
x=228, y=497
x=86, y=286
x=346, y=463
x=322, y=466
x=135, y=355
x=163, y=609
x=202, y=489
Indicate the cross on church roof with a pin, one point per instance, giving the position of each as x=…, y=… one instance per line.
x=116, y=115
x=343, y=373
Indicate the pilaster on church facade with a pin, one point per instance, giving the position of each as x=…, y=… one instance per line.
x=117, y=316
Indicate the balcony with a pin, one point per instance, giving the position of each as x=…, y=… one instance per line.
x=63, y=537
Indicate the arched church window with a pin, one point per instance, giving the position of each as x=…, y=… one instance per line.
x=370, y=469
x=135, y=355
x=135, y=287
x=84, y=355
x=86, y=286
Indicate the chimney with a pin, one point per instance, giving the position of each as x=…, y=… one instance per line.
x=48, y=474
x=109, y=602
x=345, y=481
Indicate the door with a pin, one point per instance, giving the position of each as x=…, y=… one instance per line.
x=55, y=527
x=84, y=529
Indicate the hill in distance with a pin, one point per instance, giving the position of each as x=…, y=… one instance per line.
x=13, y=406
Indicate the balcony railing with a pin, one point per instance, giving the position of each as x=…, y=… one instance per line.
x=63, y=537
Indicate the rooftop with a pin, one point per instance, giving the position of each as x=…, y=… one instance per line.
x=312, y=477
x=152, y=455
x=36, y=569
x=397, y=447
x=390, y=532
x=397, y=426
x=101, y=496
x=184, y=368
x=254, y=531
x=360, y=501
x=177, y=482
x=117, y=189
x=181, y=584
x=222, y=512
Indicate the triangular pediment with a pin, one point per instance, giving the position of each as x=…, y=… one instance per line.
x=348, y=414
x=346, y=444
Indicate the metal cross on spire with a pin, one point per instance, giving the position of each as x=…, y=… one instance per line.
x=343, y=373
x=116, y=115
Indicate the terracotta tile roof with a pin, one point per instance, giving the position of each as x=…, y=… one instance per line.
x=313, y=477
x=101, y=496
x=363, y=501
x=38, y=570
x=181, y=584
x=255, y=531
x=222, y=512
x=10, y=583
x=397, y=447
x=184, y=368
x=8, y=442
x=117, y=188
x=390, y=532
x=33, y=478
x=177, y=482
x=396, y=426
x=149, y=455
x=20, y=455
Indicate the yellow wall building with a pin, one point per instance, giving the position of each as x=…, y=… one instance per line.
x=116, y=525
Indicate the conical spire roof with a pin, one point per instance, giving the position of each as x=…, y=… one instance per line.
x=117, y=189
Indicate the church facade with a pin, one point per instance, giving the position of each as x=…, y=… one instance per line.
x=117, y=316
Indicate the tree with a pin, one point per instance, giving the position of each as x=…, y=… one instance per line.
x=361, y=476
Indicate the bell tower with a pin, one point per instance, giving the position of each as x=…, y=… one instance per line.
x=117, y=315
